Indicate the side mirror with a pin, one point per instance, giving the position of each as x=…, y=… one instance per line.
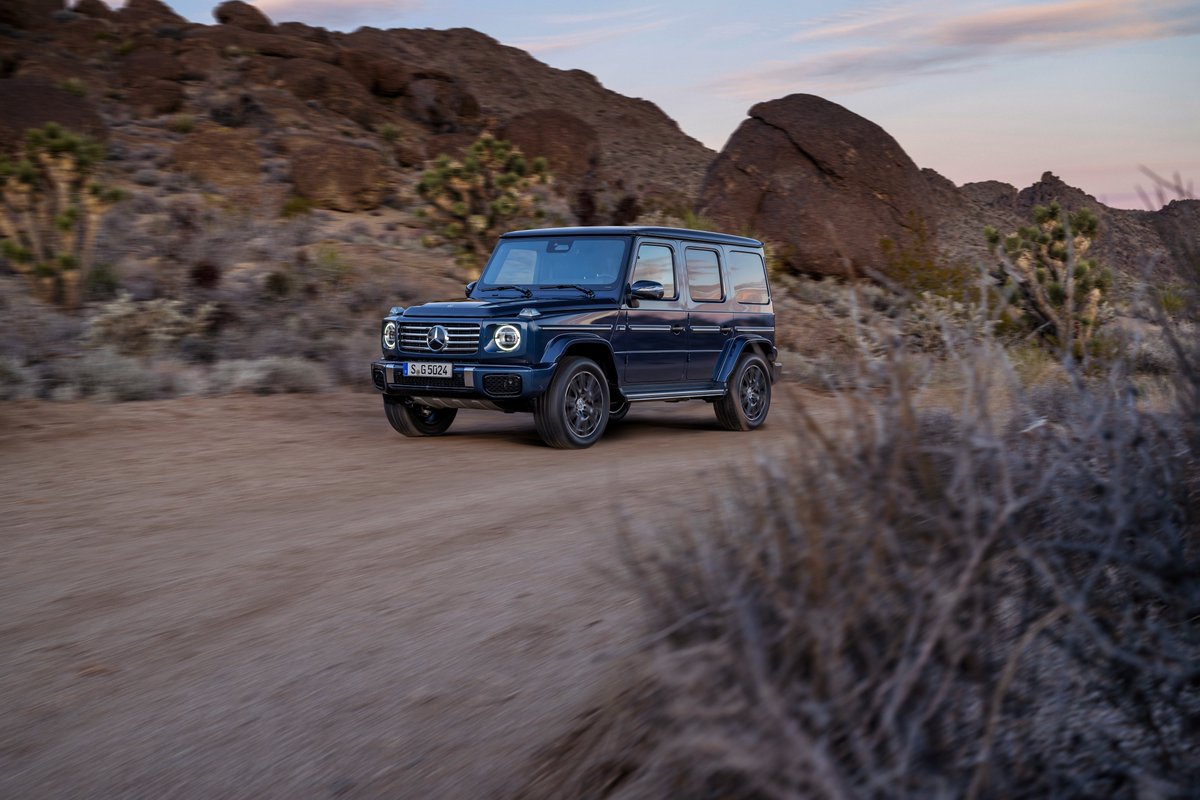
x=646, y=290
x=471, y=287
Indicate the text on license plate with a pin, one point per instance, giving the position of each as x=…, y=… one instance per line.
x=428, y=369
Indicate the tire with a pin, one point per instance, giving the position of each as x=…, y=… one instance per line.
x=617, y=409
x=573, y=412
x=415, y=420
x=747, y=398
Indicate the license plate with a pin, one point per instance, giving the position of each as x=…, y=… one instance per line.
x=428, y=369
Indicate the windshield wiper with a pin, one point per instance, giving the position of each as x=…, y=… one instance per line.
x=583, y=289
x=524, y=292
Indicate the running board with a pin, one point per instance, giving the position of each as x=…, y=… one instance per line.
x=673, y=394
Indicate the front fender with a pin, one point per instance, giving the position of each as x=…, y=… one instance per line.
x=733, y=351
x=559, y=345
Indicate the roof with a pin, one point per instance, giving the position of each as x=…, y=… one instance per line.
x=639, y=230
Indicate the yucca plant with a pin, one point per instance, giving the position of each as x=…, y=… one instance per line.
x=50, y=209
x=1046, y=278
x=472, y=200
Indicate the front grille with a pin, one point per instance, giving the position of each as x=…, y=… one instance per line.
x=502, y=385
x=462, y=338
x=455, y=381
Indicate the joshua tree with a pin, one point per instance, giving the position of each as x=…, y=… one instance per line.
x=1047, y=280
x=50, y=209
x=473, y=200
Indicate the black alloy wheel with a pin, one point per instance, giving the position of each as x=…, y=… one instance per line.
x=573, y=412
x=748, y=395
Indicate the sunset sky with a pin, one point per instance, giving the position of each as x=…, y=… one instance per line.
x=977, y=89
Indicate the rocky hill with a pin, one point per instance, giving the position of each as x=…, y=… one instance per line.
x=829, y=186
x=369, y=102
x=270, y=174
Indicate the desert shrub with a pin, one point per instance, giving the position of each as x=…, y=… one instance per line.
x=75, y=86
x=130, y=327
x=389, y=132
x=1049, y=284
x=271, y=375
x=182, y=123
x=50, y=209
x=205, y=274
x=16, y=382
x=471, y=201
x=915, y=264
x=108, y=375
x=993, y=597
x=296, y=206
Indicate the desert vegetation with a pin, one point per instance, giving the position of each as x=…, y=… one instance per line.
x=471, y=200
x=50, y=209
x=1048, y=282
x=977, y=583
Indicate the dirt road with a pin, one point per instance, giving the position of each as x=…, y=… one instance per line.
x=279, y=597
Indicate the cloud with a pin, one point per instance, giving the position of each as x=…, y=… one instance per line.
x=889, y=43
x=335, y=14
x=599, y=16
x=573, y=40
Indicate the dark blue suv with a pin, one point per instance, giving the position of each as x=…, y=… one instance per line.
x=574, y=324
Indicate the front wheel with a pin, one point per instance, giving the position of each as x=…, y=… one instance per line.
x=747, y=397
x=573, y=412
x=415, y=420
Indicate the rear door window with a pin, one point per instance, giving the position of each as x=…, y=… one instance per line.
x=748, y=275
x=704, y=275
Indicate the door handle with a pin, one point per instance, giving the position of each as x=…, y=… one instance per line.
x=726, y=330
x=677, y=328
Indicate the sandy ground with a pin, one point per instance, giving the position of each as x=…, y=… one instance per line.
x=281, y=598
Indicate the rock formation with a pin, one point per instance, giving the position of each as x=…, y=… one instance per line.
x=820, y=181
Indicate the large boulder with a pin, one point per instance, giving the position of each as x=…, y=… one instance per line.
x=569, y=144
x=221, y=156
x=29, y=13
x=242, y=15
x=152, y=98
x=338, y=175
x=379, y=74
x=144, y=13
x=26, y=104
x=96, y=9
x=820, y=181
x=145, y=65
x=442, y=104
x=230, y=39
x=330, y=86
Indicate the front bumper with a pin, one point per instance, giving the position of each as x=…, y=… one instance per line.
x=470, y=383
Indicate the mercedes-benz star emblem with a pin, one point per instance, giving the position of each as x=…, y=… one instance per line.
x=438, y=337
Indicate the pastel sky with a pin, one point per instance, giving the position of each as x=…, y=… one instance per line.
x=976, y=89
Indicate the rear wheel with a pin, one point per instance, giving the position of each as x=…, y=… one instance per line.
x=417, y=420
x=573, y=412
x=747, y=397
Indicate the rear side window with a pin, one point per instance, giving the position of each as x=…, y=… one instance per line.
x=748, y=275
x=704, y=275
x=656, y=262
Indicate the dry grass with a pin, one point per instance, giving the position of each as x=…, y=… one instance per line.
x=989, y=597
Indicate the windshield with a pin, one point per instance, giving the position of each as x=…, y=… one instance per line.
x=591, y=263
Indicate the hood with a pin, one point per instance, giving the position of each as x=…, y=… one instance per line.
x=507, y=306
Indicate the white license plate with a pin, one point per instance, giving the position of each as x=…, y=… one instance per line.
x=428, y=369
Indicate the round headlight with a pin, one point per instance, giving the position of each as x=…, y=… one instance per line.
x=507, y=337
x=389, y=336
